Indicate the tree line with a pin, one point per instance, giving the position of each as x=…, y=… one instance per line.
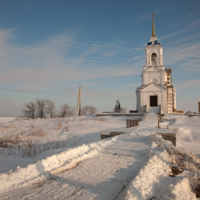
x=43, y=108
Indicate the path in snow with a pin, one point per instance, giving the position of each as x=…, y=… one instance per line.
x=58, y=135
x=101, y=177
x=129, y=166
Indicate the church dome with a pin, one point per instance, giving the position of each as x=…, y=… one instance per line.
x=153, y=43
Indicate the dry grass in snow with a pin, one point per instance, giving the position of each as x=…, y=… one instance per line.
x=28, y=138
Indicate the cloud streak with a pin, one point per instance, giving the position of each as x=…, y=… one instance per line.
x=188, y=84
x=191, y=26
x=62, y=58
x=188, y=55
x=133, y=85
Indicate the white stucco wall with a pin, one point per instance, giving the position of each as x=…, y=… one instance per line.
x=143, y=98
x=153, y=76
x=138, y=101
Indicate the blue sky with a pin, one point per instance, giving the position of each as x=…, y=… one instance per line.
x=55, y=45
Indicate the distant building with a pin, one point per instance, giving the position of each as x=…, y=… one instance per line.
x=117, y=107
x=156, y=88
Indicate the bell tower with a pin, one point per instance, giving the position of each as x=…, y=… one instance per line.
x=153, y=50
x=156, y=88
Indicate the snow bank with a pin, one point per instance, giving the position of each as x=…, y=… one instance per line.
x=141, y=186
x=187, y=131
x=7, y=119
x=51, y=165
x=154, y=180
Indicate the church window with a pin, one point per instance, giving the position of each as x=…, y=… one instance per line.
x=154, y=59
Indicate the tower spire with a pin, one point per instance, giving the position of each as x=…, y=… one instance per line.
x=153, y=27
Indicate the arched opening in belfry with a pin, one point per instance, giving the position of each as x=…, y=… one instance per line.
x=153, y=59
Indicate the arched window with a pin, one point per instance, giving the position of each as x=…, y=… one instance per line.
x=153, y=59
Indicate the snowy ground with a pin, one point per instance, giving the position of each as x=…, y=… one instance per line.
x=32, y=140
x=135, y=165
x=188, y=131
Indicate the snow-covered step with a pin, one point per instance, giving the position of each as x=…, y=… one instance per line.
x=155, y=109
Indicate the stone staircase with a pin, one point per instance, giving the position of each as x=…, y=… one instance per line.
x=155, y=109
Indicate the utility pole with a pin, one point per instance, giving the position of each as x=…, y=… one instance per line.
x=79, y=100
x=79, y=103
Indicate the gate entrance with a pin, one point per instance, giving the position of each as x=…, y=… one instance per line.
x=154, y=100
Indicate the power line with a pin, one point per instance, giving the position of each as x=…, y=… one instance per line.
x=65, y=90
x=107, y=95
x=38, y=91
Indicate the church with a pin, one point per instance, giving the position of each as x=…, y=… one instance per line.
x=156, y=88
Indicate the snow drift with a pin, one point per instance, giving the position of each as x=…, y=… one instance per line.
x=51, y=165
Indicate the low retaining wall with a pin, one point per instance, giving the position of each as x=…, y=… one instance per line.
x=107, y=134
x=132, y=123
x=119, y=114
x=168, y=136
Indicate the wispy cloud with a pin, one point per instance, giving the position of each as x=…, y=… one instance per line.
x=193, y=14
x=139, y=49
x=144, y=16
x=188, y=55
x=193, y=25
x=187, y=38
x=62, y=58
x=133, y=85
x=160, y=9
x=188, y=84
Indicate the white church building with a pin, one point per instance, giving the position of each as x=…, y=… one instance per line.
x=156, y=88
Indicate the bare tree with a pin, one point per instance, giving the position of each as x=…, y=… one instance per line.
x=50, y=108
x=88, y=110
x=29, y=110
x=84, y=110
x=92, y=110
x=41, y=108
x=66, y=111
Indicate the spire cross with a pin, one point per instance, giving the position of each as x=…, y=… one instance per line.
x=153, y=15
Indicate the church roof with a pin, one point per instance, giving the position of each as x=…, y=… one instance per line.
x=153, y=69
x=151, y=84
